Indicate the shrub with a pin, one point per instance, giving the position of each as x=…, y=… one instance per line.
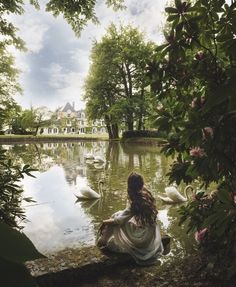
x=142, y=133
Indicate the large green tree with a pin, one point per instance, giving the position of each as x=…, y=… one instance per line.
x=195, y=84
x=115, y=87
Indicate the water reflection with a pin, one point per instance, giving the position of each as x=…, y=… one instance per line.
x=57, y=221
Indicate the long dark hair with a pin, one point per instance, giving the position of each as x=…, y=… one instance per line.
x=142, y=202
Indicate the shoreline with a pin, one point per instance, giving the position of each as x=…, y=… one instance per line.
x=19, y=139
x=88, y=267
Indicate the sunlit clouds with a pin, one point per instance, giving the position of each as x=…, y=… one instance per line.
x=56, y=63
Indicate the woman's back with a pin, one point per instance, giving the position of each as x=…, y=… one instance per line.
x=134, y=230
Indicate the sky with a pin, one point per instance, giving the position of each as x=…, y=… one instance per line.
x=56, y=63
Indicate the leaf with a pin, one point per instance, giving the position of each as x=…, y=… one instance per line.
x=172, y=18
x=15, y=275
x=210, y=220
x=224, y=196
x=171, y=10
x=16, y=246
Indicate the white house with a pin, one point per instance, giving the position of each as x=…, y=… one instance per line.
x=68, y=120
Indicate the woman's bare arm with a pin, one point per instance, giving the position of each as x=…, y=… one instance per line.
x=109, y=221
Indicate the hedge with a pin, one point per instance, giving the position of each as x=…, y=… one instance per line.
x=143, y=134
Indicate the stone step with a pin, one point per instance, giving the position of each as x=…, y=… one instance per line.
x=68, y=266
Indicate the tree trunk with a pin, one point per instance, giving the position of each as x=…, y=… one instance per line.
x=36, y=131
x=109, y=130
x=130, y=125
x=141, y=110
x=115, y=131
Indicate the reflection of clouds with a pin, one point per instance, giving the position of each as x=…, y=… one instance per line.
x=49, y=223
x=164, y=218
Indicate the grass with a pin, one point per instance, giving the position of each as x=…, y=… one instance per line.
x=5, y=138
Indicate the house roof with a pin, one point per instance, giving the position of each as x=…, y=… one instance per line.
x=67, y=107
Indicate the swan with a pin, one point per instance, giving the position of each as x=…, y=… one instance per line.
x=98, y=159
x=87, y=193
x=174, y=196
x=89, y=156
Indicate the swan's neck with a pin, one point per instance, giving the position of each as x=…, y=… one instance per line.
x=187, y=189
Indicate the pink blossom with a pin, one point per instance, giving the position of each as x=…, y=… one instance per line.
x=207, y=132
x=200, y=235
x=197, y=152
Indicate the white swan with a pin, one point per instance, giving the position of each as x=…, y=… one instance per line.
x=89, y=156
x=87, y=193
x=98, y=159
x=174, y=196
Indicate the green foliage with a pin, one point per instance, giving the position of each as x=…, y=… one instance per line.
x=78, y=13
x=11, y=191
x=196, y=91
x=142, y=133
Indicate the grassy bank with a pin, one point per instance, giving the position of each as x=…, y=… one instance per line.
x=50, y=138
x=89, y=137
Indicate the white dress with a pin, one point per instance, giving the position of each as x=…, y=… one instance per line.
x=143, y=243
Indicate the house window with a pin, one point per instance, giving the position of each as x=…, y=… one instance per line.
x=94, y=130
x=73, y=130
x=49, y=130
x=55, y=130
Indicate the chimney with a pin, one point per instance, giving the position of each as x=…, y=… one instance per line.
x=73, y=105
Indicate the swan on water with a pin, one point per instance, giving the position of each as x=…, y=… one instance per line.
x=89, y=156
x=98, y=159
x=174, y=196
x=87, y=193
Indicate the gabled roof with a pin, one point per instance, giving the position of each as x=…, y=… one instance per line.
x=67, y=107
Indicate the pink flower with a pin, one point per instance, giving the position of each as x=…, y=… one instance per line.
x=200, y=235
x=234, y=198
x=207, y=132
x=197, y=152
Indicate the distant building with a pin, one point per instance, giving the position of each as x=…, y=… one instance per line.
x=68, y=120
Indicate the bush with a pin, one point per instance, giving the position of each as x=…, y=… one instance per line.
x=142, y=134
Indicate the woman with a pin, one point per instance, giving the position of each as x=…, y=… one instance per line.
x=134, y=230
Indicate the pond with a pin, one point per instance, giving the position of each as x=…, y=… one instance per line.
x=57, y=220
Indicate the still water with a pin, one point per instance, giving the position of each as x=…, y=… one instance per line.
x=57, y=220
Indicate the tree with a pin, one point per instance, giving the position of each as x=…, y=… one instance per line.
x=197, y=90
x=115, y=86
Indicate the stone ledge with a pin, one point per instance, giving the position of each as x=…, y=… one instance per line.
x=73, y=265
x=69, y=266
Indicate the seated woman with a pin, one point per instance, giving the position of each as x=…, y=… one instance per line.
x=134, y=230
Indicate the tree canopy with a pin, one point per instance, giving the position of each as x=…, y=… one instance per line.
x=115, y=86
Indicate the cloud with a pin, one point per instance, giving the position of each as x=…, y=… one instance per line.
x=56, y=64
